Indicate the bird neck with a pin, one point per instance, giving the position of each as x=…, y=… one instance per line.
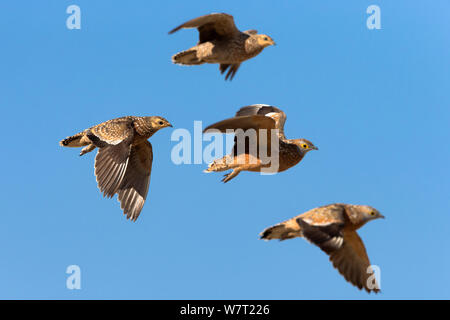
x=144, y=127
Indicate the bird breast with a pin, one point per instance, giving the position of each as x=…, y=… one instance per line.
x=290, y=155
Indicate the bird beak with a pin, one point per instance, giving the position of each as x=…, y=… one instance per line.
x=170, y=125
x=315, y=148
x=382, y=217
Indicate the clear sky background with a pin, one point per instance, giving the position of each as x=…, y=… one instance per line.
x=375, y=102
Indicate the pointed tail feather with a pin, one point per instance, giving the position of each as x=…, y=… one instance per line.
x=285, y=230
x=188, y=57
x=73, y=141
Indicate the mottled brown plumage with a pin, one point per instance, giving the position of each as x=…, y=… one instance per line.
x=124, y=160
x=333, y=229
x=221, y=42
x=247, y=152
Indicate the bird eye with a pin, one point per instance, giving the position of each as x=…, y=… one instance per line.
x=372, y=213
x=305, y=146
x=160, y=123
x=266, y=38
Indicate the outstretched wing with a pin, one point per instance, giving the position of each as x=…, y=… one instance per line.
x=352, y=262
x=134, y=188
x=346, y=251
x=255, y=117
x=272, y=112
x=114, y=143
x=211, y=26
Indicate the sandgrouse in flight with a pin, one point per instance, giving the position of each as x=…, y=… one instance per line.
x=257, y=117
x=333, y=229
x=124, y=160
x=221, y=42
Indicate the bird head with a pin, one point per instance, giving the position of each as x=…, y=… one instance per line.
x=305, y=145
x=264, y=40
x=368, y=213
x=160, y=122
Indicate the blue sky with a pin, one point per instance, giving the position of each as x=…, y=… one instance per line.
x=375, y=102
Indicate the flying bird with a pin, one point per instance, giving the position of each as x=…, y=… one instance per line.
x=252, y=154
x=333, y=229
x=221, y=42
x=123, y=163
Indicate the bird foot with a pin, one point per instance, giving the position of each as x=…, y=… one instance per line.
x=87, y=149
x=230, y=176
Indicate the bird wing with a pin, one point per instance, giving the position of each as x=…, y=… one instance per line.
x=327, y=237
x=243, y=122
x=232, y=69
x=211, y=26
x=262, y=109
x=345, y=248
x=111, y=160
x=134, y=188
x=272, y=112
x=258, y=116
x=352, y=261
x=253, y=117
x=251, y=32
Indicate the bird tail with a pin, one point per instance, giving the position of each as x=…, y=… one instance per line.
x=188, y=57
x=285, y=230
x=73, y=141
